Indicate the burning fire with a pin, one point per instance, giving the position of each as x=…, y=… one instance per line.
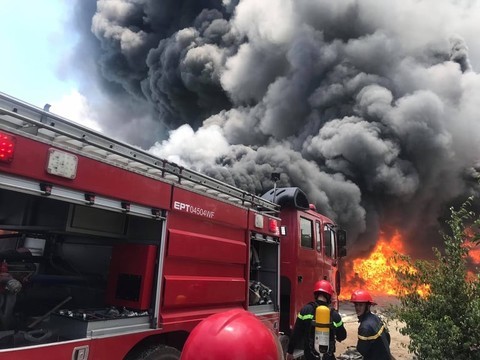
x=473, y=249
x=374, y=273
x=473, y=258
x=474, y=254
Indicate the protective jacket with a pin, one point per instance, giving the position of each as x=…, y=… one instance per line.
x=373, y=338
x=304, y=330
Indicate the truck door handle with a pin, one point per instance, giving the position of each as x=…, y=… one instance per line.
x=300, y=278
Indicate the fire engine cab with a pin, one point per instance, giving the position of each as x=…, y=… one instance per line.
x=108, y=252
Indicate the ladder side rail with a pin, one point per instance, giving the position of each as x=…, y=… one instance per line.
x=21, y=107
x=58, y=124
x=110, y=146
x=75, y=131
x=222, y=187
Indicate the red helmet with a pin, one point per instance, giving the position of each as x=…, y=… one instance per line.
x=362, y=296
x=235, y=334
x=323, y=286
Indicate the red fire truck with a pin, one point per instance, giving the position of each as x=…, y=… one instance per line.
x=108, y=252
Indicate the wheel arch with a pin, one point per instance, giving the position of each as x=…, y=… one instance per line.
x=174, y=339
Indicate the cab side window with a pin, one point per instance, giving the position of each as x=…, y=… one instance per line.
x=306, y=233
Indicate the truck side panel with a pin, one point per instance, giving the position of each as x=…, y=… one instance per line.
x=206, y=258
x=115, y=347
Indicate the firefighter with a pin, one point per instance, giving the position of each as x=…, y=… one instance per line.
x=235, y=335
x=9, y=288
x=373, y=336
x=304, y=328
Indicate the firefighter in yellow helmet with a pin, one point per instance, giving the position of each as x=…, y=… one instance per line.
x=304, y=325
x=373, y=336
x=234, y=335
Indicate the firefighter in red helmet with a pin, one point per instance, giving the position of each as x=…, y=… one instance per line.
x=373, y=336
x=304, y=328
x=235, y=335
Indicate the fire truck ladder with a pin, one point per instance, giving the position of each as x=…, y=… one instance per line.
x=28, y=120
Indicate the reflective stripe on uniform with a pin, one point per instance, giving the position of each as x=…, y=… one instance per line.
x=373, y=337
x=338, y=324
x=305, y=317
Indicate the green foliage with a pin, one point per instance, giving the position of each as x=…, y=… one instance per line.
x=439, y=303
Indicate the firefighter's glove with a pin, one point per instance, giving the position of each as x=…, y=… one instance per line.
x=13, y=286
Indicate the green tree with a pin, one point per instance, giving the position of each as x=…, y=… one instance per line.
x=440, y=299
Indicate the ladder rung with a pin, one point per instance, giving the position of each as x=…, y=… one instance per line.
x=137, y=165
x=62, y=139
x=212, y=191
x=188, y=183
x=46, y=134
x=95, y=150
x=154, y=171
x=171, y=177
x=11, y=120
x=117, y=158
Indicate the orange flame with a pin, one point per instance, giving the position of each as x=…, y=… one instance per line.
x=374, y=272
x=473, y=248
x=473, y=256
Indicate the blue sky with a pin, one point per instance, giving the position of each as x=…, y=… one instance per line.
x=35, y=39
x=33, y=42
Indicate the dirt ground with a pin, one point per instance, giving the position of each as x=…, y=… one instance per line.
x=399, y=342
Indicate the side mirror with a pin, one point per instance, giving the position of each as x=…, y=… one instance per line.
x=342, y=252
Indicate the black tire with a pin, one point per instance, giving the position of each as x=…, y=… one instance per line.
x=284, y=340
x=160, y=352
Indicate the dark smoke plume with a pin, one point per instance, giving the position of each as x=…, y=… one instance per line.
x=371, y=107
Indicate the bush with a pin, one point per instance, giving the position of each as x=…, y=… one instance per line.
x=440, y=299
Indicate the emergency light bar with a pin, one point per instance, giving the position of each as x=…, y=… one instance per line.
x=7, y=147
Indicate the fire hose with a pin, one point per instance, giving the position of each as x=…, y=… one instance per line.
x=260, y=294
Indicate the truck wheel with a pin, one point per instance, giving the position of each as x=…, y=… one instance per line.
x=284, y=340
x=160, y=352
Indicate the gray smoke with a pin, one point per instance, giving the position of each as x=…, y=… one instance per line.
x=371, y=107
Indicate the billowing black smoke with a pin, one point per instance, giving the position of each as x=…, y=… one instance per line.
x=371, y=107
